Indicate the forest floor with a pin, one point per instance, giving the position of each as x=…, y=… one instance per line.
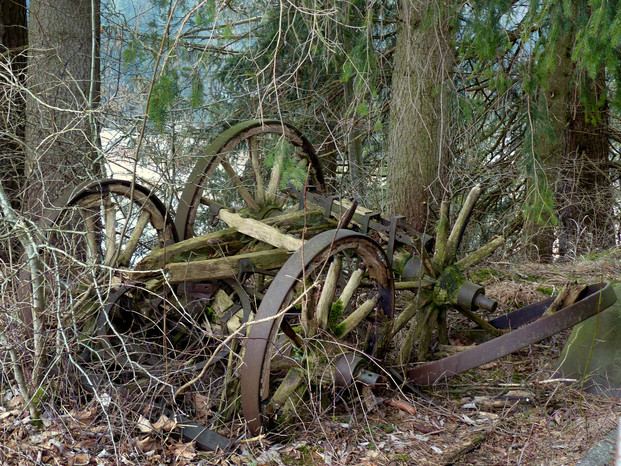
x=510, y=411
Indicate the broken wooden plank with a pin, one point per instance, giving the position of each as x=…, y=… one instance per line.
x=225, y=267
x=259, y=230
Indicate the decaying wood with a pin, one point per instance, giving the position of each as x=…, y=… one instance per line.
x=481, y=253
x=239, y=185
x=222, y=243
x=356, y=317
x=404, y=316
x=568, y=295
x=460, y=224
x=425, y=284
x=287, y=387
x=259, y=230
x=226, y=267
x=442, y=234
x=274, y=182
x=199, y=246
x=132, y=242
x=414, y=333
x=253, y=145
x=352, y=285
x=327, y=293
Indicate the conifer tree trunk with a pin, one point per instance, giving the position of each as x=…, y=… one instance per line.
x=418, y=140
x=584, y=192
x=573, y=146
x=63, y=77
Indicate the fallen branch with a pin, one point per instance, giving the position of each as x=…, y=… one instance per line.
x=569, y=294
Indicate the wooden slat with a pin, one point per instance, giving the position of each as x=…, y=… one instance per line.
x=226, y=267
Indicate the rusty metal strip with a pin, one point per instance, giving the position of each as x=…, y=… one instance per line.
x=205, y=438
x=266, y=319
x=596, y=299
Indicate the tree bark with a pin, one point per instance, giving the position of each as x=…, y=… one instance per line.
x=418, y=139
x=13, y=42
x=547, y=144
x=584, y=191
x=63, y=80
x=572, y=145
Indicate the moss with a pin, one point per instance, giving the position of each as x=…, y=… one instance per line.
x=485, y=275
x=336, y=315
x=447, y=286
x=211, y=314
x=339, y=330
x=189, y=256
x=399, y=265
x=545, y=290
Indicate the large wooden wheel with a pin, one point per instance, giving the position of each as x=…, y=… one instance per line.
x=106, y=226
x=245, y=168
x=320, y=321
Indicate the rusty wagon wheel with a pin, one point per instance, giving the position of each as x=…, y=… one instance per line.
x=142, y=338
x=320, y=321
x=107, y=226
x=245, y=168
x=96, y=232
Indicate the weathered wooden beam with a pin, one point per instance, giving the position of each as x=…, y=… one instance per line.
x=204, y=245
x=259, y=230
x=225, y=267
x=224, y=242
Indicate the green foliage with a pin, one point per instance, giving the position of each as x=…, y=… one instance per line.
x=293, y=171
x=165, y=90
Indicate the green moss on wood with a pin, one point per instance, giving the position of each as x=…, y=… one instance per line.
x=336, y=315
x=447, y=286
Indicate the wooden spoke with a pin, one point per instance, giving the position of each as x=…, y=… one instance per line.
x=326, y=298
x=132, y=242
x=91, y=222
x=272, y=187
x=110, y=230
x=288, y=330
x=285, y=391
x=87, y=227
x=308, y=309
x=253, y=146
x=241, y=189
x=233, y=172
x=355, y=318
x=350, y=288
x=294, y=366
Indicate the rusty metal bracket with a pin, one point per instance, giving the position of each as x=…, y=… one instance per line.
x=329, y=202
x=366, y=220
x=246, y=266
x=395, y=221
x=531, y=330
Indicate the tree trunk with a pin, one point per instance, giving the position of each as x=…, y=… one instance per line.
x=584, y=192
x=547, y=144
x=13, y=42
x=63, y=77
x=572, y=146
x=418, y=141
